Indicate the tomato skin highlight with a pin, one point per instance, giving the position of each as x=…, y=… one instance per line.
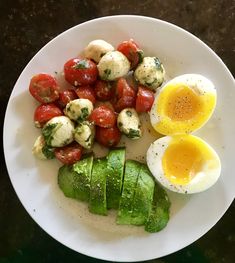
x=69, y=154
x=108, y=137
x=86, y=92
x=144, y=99
x=131, y=50
x=103, y=116
x=103, y=90
x=65, y=97
x=44, y=88
x=79, y=71
x=44, y=112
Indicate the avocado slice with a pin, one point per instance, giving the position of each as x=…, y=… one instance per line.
x=131, y=173
x=66, y=180
x=83, y=178
x=97, y=201
x=143, y=196
x=159, y=213
x=115, y=170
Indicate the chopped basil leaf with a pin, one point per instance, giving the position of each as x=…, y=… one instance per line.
x=141, y=55
x=88, y=138
x=48, y=132
x=84, y=114
x=48, y=152
x=107, y=72
x=133, y=133
x=158, y=64
x=128, y=113
x=82, y=64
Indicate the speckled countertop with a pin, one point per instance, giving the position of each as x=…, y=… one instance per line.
x=25, y=27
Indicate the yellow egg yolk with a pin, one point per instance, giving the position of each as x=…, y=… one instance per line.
x=182, y=109
x=184, y=157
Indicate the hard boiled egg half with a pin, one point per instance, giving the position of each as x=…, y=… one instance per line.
x=184, y=104
x=183, y=163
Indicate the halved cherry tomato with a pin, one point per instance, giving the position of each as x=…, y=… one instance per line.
x=44, y=88
x=44, y=113
x=126, y=95
x=103, y=90
x=66, y=96
x=86, y=92
x=144, y=99
x=108, y=136
x=103, y=116
x=69, y=154
x=131, y=50
x=80, y=71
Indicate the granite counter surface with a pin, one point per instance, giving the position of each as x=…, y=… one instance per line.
x=25, y=27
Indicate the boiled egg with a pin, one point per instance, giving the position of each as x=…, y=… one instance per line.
x=183, y=163
x=183, y=105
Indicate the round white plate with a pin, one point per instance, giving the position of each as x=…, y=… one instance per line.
x=69, y=221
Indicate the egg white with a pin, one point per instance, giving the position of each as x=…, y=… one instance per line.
x=201, y=181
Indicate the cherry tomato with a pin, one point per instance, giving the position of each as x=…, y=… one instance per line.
x=44, y=113
x=78, y=71
x=126, y=95
x=144, y=99
x=86, y=92
x=131, y=50
x=108, y=136
x=69, y=154
x=44, y=88
x=66, y=96
x=103, y=90
x=103, y=116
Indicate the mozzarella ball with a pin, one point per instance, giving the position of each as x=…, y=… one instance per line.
x=113, y=65
x=84, y=134
x=183, y=105
x=150, y=72
x=38, y=148
x=183, y=163
x=96, y=49
x=79, y=109
x=128, y=122
x=58, y=131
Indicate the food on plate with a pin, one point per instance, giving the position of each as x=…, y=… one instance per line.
x=41, y=150
x=58, y=131
x=183, y=163
x=80, y=71
x=144, y=99
x=84, y=134
x=184, y=104
x=103, y=90
x=108, y=137
x=44, y=112
x=96, y=49
x=132, y=51
x=78, y=109
x=150, y=72
x=65, y=96
x=103, y=116
x=44, y=88
x=113, y=65
x=86, y=92
x=129, y=123
x=110, y=182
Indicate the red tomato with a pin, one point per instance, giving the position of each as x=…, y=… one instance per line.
x=131, y=50
x=144, y=100
x=44, y=88
x=44, y=113
x=69, y=154
x=86, y=92
x=78, y=71
x=108, y=136
x=103, y=116
x=66, y=96
x=103, y=90
x=126, y=95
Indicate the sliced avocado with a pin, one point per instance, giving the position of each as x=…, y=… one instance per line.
x=131, y=173
x=97, y=201
x=83, y=178
x=115, y=167
x=159, y=213
x=66, y=180
x=143, y=196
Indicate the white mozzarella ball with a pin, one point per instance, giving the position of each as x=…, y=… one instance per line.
x=58, y=131
x=79, y=109
x=96, y=49
x=113, y=65
x=84, y=134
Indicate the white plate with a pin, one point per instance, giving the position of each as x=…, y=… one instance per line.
x=68, y=221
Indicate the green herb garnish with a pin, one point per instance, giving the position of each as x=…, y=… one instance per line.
x=133, y=134
x=48, y=132
x=48, y=152
x=82, y=64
